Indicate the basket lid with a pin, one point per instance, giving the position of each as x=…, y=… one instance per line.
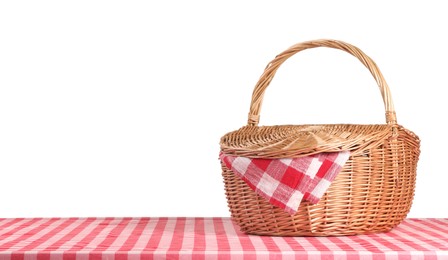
x=289, y=141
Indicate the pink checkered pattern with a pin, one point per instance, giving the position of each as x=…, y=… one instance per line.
x=285, y=182
x=206, y=238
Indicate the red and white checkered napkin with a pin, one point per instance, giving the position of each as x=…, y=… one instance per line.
x=285, y=182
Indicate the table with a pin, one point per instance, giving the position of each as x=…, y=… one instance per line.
x=205, y=238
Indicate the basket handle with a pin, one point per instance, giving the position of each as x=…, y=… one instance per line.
x=272, y=67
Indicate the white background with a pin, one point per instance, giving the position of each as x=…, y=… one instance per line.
x=115, y=108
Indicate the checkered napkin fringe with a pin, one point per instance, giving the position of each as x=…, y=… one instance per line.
x=285, y=182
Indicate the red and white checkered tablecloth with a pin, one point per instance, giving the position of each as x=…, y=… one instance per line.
x=205, y=238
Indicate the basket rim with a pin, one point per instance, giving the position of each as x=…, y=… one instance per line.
x=288, y=141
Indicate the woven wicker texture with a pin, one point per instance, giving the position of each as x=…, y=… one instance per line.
x=374, y=191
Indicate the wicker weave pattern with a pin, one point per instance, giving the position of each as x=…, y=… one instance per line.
x=374, y=191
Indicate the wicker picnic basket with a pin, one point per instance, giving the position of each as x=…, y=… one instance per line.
x=372, y=193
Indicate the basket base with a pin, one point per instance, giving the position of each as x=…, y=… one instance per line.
x=304, y=233
x=338, y=213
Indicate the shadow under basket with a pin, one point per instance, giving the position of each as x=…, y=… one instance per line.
x=372, y=193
